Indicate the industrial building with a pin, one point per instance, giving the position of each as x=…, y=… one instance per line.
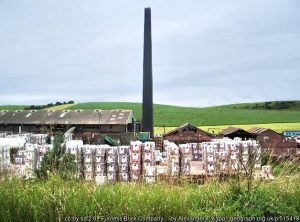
x=265, y=135
x=274, y=142
x=232, y=132
x=92, y=126
x=187, y=133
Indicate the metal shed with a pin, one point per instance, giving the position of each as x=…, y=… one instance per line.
x=274, y=142
x=187, y=133
x=233, y=132
x=89, y=124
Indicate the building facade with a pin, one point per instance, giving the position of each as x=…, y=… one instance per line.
x=92, y=126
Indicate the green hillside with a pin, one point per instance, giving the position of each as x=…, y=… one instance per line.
x=223, y=115
x=235, y=114
x=12, y=107
x=271, y=105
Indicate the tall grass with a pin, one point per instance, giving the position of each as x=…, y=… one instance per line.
x=54, y=199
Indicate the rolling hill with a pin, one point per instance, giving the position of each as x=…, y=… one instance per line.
x=12, y=107
x=271, y=105
x=222, y=115
x=235, y=114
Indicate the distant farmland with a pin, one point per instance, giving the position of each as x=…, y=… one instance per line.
x=211, y=116
x=12, y=107
x=278, y=127
x=172, y=116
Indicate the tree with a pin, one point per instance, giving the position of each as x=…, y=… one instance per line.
x=267, y=105
x=58, y=161
x=245, y=171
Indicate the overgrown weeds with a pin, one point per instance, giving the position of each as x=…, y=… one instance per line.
x=54, y=199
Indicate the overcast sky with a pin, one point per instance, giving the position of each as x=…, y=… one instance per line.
x=205, y=52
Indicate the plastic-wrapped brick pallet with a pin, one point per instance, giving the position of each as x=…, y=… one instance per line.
x=123, y=163
x=196, y=152
x=148, y=160
x=100, y=164
x=111, y=164
x=73, y=146
x=135, y=160
x=148, y=156
x=197, y=168
x=150, y=174
x=162, y=168
x=186, y=152
x=209, y=154
x=100, y=180
x=88, y=162
x=194, y=164
x=173, y=159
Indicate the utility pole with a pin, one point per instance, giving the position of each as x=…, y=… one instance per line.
x=99, y=115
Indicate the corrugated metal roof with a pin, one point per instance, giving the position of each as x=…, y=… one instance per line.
x=73, y=117
x=230, y=130
x=186, y=125
x=257, y=130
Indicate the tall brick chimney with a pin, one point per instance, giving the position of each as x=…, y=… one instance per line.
x=147, y=116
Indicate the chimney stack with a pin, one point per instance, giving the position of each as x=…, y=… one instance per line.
x=147, y=118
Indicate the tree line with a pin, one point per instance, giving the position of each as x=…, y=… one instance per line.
x=38, y=107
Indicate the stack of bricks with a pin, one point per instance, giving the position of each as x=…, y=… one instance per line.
x=123, y=163
x=88, y=162
x=197, y=165
x=20, y=167
x=233, y=157
x=140, y=161
x=249, y=149
x=100, y=163
x=196, y=152
x=162, y=168
x=135, y=160
x=257, y=152
x=210, y=157
x=148, y=159
x=30, y=159
x=41, y=151
x=222, y=158
x=150, y=174
x=173, y=159
x=186, y=152
x=112, y=166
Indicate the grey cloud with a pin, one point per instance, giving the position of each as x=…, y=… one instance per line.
x=207, y=52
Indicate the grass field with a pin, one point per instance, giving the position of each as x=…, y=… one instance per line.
x=284, y=105
x=60, y=107
x=55, y=199
x=12, y=107
x=278, y=127
x=211, y=116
